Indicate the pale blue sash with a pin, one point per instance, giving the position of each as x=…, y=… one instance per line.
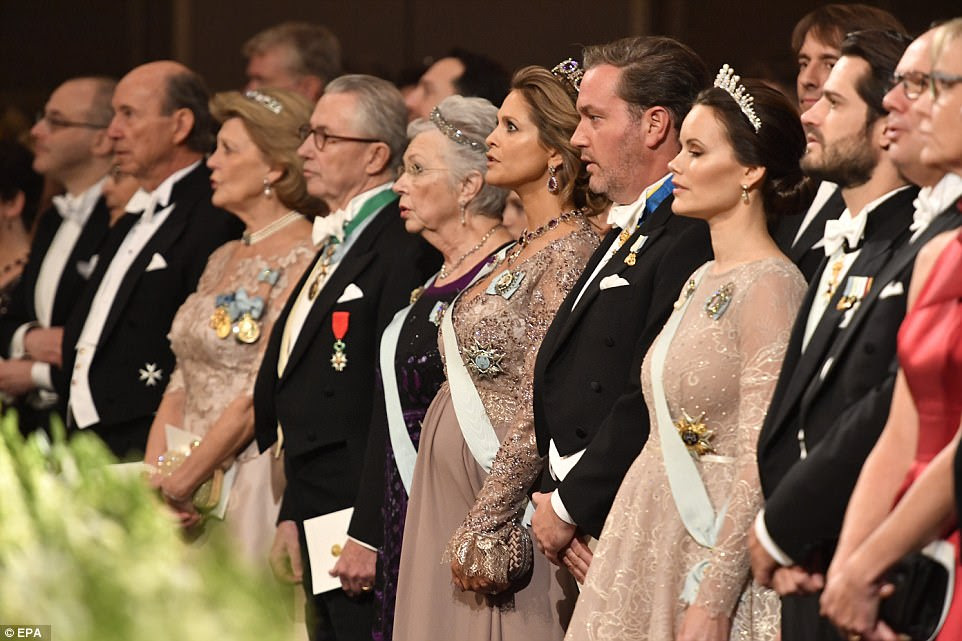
x=479, y=434
x=687, y=487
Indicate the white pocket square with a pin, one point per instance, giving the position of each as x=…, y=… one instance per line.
x=351, y=292
x=156, y=262
x=894, y=288
x=612, y=281
x=86, y=267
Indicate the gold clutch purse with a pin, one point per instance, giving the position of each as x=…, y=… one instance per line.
x=208, y=494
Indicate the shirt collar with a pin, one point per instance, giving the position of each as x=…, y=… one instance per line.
x=626, y=216
x=78, y=207
x=159, y=198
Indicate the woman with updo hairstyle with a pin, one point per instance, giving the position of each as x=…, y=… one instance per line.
x=20, y=189
x=672, y=562
x=201, y=449
x=477, y=456
x=445, y=199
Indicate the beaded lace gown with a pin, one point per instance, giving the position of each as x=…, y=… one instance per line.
x=930, y=352
x=725, y=369
x=213, y=372
x=455, y=504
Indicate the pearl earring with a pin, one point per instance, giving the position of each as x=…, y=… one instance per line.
x=268, y=191
x=745, y=194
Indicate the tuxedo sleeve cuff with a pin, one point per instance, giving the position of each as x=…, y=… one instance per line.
x=362, y=543
x=761, y=533
x=40, y=373
x=559, y=508
x=17, y=349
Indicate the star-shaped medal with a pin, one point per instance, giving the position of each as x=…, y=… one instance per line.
x=486, y=361
x=150, y=374
x=694, y=433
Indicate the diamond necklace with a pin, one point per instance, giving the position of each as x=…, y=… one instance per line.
x=250, y=238
x=527, y=236
x=444, y=272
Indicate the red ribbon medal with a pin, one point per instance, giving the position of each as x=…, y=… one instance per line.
x=339, y=325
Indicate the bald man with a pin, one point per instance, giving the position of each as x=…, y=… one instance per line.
x=117, y=359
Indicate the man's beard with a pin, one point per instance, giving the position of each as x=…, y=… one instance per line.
x=848, y=162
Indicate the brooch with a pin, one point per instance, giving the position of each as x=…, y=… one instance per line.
x=339, y=325
x=856, y=287
x=486, y=361
x=685, y=294
x=506, y=284
x=694, y=433
x=718, y=302
x=438, y=312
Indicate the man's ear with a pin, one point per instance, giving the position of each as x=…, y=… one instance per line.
x=183, y=119
x=656, y=126
x=378, y=158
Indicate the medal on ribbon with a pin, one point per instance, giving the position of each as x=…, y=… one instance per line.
x=339, y=325
x=437, y=313
x=506, y=284
x=856, y=287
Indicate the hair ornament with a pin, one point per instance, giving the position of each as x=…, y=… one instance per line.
x=728, y=80
x=570, y=73
x=456, y=134
x=271, y=103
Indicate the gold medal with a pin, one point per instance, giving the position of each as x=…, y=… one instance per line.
x=247, y=330
x=220, y=322
x=630, y=259
x=694, y=433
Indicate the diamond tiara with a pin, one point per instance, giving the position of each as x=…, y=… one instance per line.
x=569, y=72
x=271, y=103
x=728, y=80
x=456, y=134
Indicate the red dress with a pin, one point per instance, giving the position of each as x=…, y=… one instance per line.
x=930, y=353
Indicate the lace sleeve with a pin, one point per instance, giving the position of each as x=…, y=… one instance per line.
x=491, y=542
x=764, y=325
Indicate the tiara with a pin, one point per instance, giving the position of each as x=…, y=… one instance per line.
x=456, y=134
x=569, y=72
x=727, y=80
x=271, y=103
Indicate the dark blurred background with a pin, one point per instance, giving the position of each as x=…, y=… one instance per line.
x=43, y=42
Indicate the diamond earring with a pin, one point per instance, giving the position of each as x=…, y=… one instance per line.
x=552, y=179
x=745, y=194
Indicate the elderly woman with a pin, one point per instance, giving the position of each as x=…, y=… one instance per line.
x=445, y=199
x=200, y=442
x=477, y=456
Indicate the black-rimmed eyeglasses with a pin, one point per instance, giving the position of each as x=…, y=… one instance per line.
x=56, y=122
x=913, y=83
x=321, y=137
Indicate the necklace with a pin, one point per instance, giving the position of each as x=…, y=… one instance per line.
x=444, y=272
x=527, y=236
x=250, y=238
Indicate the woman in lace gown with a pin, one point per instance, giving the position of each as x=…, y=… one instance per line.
x=445, y=199
x=657, y=575
x=459, y=512
x=218, y=333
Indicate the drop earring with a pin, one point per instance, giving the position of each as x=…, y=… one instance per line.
x=268, y=191
x=461, y=208
x=745, y=194
x=552, y=179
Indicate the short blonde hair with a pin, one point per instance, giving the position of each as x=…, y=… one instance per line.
x=275, y=132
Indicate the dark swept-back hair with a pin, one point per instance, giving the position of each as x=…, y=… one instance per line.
x=778, y=145
x=482, y=77
x=655, y=71
x=882, y=50
x=831, y=22
x=17, y=176
x=187, y=90
x=551, y=104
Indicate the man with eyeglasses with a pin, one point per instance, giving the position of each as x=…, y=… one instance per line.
x=833, y=394
x=72, y=148
x=117, y=359
x=315, y=390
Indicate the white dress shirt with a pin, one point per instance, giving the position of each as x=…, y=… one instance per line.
x=825, y=191
x=75, y=209
x=82, y=404
x=933, y=201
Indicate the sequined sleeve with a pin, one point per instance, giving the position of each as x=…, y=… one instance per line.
x=491, y=542
x=764, y=325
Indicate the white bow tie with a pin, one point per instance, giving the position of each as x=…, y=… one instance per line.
x=327, y=226
x=927, y=207
x=842, y=230
x=622, y=216
x=69, y=207
x=143, y=202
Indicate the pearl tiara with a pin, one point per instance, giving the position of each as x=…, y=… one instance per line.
x=455, y=134
x=728, y=80
x=271, y=103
